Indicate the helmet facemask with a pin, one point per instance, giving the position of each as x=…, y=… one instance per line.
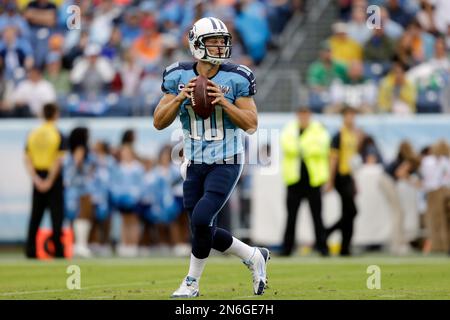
x=224, y=50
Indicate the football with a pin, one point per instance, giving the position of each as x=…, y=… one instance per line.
x=201, y=102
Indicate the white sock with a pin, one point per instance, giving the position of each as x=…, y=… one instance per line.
x=81, y=228
x=240, y=249
x=196, y=267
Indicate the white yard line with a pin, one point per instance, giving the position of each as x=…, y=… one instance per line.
x=82, y=288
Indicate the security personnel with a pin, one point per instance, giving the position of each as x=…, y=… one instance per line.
x=43, y=159
x=344, y=147
x=306, y=146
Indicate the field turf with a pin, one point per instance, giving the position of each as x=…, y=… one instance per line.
x=297, y=278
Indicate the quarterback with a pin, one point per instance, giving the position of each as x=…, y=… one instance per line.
x=213, y=147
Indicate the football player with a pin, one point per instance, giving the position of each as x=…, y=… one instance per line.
x=213, y=147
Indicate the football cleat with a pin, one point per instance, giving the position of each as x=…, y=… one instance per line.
x=188, y=289
x=257, y=264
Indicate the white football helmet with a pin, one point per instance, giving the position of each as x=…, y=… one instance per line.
x=204, y=28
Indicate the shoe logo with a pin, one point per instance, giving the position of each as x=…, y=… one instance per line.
x=261, y=271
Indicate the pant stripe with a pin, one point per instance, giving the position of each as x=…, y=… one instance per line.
x=241, y=168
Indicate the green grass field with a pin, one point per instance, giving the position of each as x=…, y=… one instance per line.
x=227, y=278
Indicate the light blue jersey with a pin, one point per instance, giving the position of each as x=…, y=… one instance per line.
x=214, y=139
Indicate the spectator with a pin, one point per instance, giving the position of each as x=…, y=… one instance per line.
x=447, y=38
x=325, y=70
x=278, y=15
x=56, y=43
x=148, y=45
x=11, y=17
x=131, y=74
x=435, y=170
x=405, y=52
x=345, y=9
x=393, y=29
x=401, y=169
x=397, y=94
x=343, y=48
x=193, y=11
x=102, y=25
x=14, y=56
x=434, y=72
x=130, y=28
x=425, y=17
x=398, y=13
x=78, y=178
x=357, y=27
x=31, y=94
x=441, y=18
x=72, y=53
x=369, y=151
x=380, y=48
x=150, y=88
x=92, y=73
x=113, y=47
x=79, y=37
x=421, y=43
x=43, y=158
x=356, y=92
x=253, y=29
x=41, y=16
x=58, y=77
x=306, y=147
x=240, y=55
x=172, y=51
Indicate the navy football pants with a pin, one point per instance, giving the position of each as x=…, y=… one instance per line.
x=206, y=190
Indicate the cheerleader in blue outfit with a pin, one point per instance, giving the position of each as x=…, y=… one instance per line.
x=104, y=164
x=78, y=175
x=126, y=191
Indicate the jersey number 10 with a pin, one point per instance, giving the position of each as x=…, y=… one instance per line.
x=212, y=127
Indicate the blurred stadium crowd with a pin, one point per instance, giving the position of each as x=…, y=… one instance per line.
x=109, y=60
x=399, y=66
x=426, y=174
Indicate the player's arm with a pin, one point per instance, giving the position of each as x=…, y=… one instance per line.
x=243, y=113
x=167, y=109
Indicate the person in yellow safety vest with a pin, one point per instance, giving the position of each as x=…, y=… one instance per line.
x=306, y=147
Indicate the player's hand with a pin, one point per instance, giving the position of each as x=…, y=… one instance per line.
x=216, y=92
x=186, y=92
